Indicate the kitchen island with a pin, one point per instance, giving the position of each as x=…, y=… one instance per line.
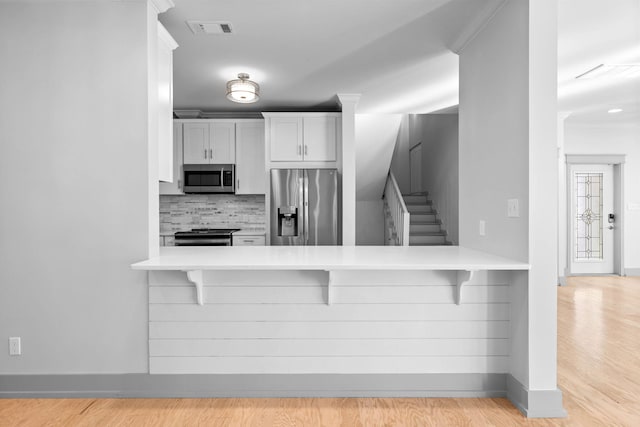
x=329, y=310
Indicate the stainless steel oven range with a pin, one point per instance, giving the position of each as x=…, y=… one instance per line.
x=205, y=237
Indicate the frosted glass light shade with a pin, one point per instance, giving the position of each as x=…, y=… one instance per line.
x=243, y=90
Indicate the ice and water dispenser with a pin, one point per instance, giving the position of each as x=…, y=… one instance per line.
x=287, y=221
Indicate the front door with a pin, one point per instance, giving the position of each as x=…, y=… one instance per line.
x=592, y=219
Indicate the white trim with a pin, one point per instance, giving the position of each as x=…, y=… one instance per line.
x=164, y=35
x=632, y=272
x=253, y=385
x=596, y=159
x=535, y=403
x=618, y=161
x=162, y=6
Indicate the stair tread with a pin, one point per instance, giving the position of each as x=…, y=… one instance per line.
x=427, y=203
x=427, y=233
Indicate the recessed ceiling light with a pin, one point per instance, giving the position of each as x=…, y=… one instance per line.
x=612, y=71
x=614, y=110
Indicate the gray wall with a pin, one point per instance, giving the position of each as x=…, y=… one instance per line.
x=494, y=141
x=439, y=136
x=74, y=186
x=400, y=159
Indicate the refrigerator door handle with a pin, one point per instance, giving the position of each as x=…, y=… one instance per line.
x=306, y=208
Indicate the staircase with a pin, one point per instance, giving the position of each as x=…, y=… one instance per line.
x=425, y=228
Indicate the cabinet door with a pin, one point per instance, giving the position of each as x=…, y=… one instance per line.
x=175, y=187
x=320, y=139
x=195, y=143
x=223, y=142
x=250, y=173
x=286, y=139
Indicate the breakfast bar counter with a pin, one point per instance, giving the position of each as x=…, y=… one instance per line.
x=333, y=310
x=327, y=258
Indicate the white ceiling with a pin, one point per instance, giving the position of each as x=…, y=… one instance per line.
x=593, y=32
x=396, y=53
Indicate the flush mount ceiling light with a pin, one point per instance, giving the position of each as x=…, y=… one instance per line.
x=614, y=110
x=243, y=90
x=612, y=70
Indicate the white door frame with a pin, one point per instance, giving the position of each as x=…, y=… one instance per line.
x=416, y=146
x=617, y=161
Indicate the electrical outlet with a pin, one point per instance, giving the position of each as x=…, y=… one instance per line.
x=482, y=228
x=15, y=347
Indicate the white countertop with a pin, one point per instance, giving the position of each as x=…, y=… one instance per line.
x=327, y=258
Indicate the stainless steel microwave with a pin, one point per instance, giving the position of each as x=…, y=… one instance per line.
x=209, y=178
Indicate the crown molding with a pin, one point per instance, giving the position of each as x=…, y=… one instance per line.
x=162, y=5
x=348, y=98
x=477, y=25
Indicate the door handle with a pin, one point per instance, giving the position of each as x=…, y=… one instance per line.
x=205, y=153
x=611, y=227
x=211, y=153
x=305, y=149
x=299, y=150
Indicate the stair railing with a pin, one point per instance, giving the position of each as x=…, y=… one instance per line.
x=397, y=214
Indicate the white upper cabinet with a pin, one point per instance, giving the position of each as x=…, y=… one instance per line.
x=213, y=141
x=196, y=143
x=302, y=137
x=250, y=170
x=319, y=139
x=286, y=139
x=223, y=142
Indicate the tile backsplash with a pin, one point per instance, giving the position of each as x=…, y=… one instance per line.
x=178, y=213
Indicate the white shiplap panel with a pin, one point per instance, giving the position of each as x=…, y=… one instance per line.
x=322, y=312
x=328, y=330
x=328, y=365
x=397, y=294
x=329, y=347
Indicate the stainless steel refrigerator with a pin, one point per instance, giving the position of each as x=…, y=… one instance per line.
x=304, y=207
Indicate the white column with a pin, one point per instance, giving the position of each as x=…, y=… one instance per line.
x=543, y=196
x=348, y=102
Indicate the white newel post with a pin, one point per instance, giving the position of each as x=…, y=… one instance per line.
x=348, y=102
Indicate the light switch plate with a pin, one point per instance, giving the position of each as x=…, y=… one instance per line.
x=15, y=349
x=482, y=228
x=513, y=208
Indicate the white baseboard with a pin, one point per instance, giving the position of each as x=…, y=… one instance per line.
x=632, y=271
x=535, y=403
x=254, y=385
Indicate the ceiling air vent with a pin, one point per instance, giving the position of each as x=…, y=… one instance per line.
x=210, y=27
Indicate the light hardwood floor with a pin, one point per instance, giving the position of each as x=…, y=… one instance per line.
x=598, y=371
